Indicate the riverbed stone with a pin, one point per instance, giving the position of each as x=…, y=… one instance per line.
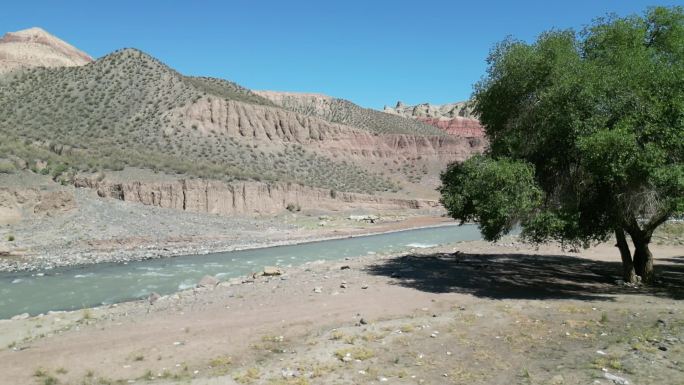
x=272, y=271
x=208, y=281
x=153, y=297
x=20, y=317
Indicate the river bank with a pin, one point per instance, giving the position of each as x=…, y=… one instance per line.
x=470, y=312
x=105, y=230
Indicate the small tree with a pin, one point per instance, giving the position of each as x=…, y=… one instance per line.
x=586, y=135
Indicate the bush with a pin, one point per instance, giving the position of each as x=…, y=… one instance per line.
x=7, y=167
x=293, y=207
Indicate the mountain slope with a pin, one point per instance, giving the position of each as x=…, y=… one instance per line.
x=128, y=109
x=345, y=112
x=34, y=47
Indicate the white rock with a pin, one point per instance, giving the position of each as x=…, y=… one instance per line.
x=615, y=379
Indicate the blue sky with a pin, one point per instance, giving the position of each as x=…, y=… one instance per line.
x=370, y=52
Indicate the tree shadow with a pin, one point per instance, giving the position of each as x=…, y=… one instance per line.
x=523, y=276
x=672, y=259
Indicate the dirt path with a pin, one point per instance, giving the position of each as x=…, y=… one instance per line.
x=467, y=313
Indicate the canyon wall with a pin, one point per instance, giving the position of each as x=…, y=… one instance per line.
x=214, y=197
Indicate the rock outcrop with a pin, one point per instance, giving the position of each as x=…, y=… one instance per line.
x=453, y=118
x=34, y=47
x=215, y=197
x=457, y=126
x=427, y=110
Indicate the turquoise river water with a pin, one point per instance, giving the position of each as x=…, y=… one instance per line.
x=92, y=285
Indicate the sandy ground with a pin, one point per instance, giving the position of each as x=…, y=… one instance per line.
x=467, y=313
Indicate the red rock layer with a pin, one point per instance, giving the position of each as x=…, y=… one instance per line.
x=465, y=127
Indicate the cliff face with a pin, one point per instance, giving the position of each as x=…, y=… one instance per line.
x=216, y=197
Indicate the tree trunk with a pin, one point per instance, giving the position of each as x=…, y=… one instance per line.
x=628, y=273
x=643, y=260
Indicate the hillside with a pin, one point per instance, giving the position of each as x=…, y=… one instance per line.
x=122, y=111
x=128, y=110
x=345, y=112
x=34, y=47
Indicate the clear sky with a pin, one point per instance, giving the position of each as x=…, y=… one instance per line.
x=370, y=52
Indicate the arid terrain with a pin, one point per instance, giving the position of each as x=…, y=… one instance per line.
x=466, y=313
x=122, y=158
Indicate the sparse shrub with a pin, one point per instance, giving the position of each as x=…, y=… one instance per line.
x=292, y=207
x=356, y=353
x=7, y=167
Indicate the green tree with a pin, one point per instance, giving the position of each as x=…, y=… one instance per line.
x=586, y=135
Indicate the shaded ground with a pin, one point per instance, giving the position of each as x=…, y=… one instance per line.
x=524, y=276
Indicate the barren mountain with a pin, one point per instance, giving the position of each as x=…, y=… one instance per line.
x=129, y=110
x=34, y=47
x=452, y=118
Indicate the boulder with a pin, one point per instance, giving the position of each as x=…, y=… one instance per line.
x=153, y=297
x=20, y=317
x=272, y=271
x=208, y=281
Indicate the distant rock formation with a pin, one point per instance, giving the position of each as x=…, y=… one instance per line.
x=34, y=47
x=453, y=118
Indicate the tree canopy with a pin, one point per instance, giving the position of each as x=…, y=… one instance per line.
x=586, y=133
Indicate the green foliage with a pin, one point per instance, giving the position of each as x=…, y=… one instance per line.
x=598, y=116
x=495, y=193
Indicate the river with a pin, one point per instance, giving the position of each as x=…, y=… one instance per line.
x=100, y=284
